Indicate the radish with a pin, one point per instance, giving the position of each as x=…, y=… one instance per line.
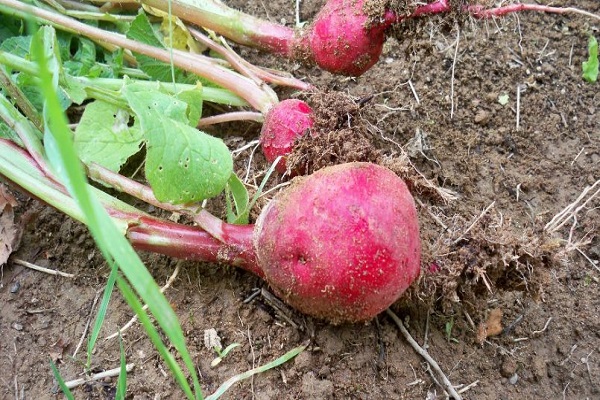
x=341, y=244
x=284, y=124
x=346, y=36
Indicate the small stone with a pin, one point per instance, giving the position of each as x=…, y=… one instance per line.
x=212, y=340
x=508, y=368
x=482, y=117
x=15, y=287
x=17, y=326
x=513, y=379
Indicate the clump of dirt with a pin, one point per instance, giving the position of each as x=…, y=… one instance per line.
x=474, y=260
x=338, y=135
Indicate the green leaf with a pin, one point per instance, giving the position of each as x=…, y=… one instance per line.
x=193, y=98
x=29, y=85
x=590, y=67
x=183, y=164
x=9, y=27
x=17, y=45
x=155, y=337
x=245, y=375
x=110, y=240
x=104, y=137
x=31, y=90
x=151, y=100
x=101, y=314
x=6, y=132
x=141, y=30
x=84, y=58
x=237, y=192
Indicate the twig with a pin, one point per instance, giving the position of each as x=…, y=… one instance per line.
x=87, y=324
x=518, y=107
x=572, y=209
x=475, y=222
x=298, y=13
x=279, y=307
x=544, y=328
x=412, y=88
x=469, y=386
x=253, y=362
x=42, y=269
x=145, y=307
x=479, y=11
x=425, y=336
x=435, y=217
x=452, y=80
x=423, y=353
x=594, y=263
x=98, y=376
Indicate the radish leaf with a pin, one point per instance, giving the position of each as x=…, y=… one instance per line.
x=104, y=137
x=590, y=67
x=141, y=30
x=237, y=213
x=183, y=164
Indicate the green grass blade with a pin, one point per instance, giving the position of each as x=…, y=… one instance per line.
x=101, y=314
x=122, y=382
x=275, y=363
x=61, y=382
x=111, y=242
x=153, y=335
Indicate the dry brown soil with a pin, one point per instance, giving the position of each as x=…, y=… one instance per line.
x=436, y=98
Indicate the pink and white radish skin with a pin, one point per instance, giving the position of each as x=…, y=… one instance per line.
x=341, y=244
x=342, y=39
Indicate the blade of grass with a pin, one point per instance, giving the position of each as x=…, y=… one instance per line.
x=101, y=314
x=153, y=335
x=61, y=382
x=111, y=243
x=122, y=382
x=275, y=363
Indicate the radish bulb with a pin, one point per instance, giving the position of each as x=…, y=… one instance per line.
x=341, y=244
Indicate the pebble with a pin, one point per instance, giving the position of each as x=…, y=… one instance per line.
x=482, y=117
x=17, y=326
x=513, y=379
x=508, y=368
x=15, y=287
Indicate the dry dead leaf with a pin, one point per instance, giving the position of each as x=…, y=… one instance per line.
x=9, y=231
x=491, y=327
x=57, y=349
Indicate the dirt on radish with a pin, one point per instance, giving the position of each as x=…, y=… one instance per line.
x=483, y=251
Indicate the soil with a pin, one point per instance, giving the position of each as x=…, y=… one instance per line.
x=502, y=304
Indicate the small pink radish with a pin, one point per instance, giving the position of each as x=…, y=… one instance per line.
x=284, y=124
x=341, y=244
x=342, y=39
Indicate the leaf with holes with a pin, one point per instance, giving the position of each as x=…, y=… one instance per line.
x=183, y=164
x=104, y=136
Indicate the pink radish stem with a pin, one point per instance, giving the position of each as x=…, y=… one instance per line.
x=261, y=98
